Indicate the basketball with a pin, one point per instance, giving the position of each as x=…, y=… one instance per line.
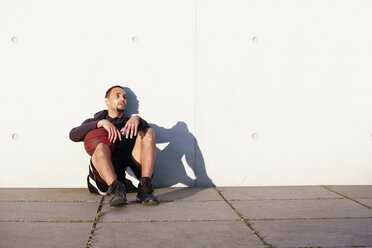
x=94, y=137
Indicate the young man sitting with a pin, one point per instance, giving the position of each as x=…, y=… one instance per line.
x=134, y=147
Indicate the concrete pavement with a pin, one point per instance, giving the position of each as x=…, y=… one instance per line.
x=306, y=216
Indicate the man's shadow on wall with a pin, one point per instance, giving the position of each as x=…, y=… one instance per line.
x=180, y=151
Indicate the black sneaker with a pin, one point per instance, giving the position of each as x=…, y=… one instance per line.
x=129, y=187
x=145, y=193
x=118, y=195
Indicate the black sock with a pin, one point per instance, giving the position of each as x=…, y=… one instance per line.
x=144, y=179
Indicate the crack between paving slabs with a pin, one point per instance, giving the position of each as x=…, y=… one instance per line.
x=98, y=215
x=349, y=246
x=340, y=218
x=327, y=188
x=48, y=221
x=244, y=220
x=169, y=221
x=288, y=199
x=57, y=201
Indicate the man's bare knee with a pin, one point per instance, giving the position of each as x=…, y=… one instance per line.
x=148, y=134
x=102, y=150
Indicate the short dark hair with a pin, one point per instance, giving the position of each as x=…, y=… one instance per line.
x=109, y=90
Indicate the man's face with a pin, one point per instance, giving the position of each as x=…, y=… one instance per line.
x=116, y=100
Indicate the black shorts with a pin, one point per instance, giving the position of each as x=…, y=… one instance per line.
x=121, y=159
x=97, y=185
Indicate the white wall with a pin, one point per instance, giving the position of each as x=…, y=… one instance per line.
x=239, y=92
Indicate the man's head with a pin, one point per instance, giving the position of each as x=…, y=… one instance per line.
x=116, y=99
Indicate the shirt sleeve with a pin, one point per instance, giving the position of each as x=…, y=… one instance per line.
x=78, y=133
x=143, y=124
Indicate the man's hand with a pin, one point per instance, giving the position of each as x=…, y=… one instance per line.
x=113, y=132
x=131, y=127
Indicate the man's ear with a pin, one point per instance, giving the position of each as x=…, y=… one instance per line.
x=107, y=101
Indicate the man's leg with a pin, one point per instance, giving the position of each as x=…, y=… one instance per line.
x=101, y=160
x=144, y=151
x=143, y=155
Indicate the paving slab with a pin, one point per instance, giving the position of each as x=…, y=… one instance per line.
x=180, y=194
x=39, y=235
x=175, y=234
x=170, y=211
x=367, y=202
x=188, y=194
x=316, y=233
x=282, y=192
x=48, y=211
x=354, y=191
x=131, y=197
x=283, y=209
x=14, y=194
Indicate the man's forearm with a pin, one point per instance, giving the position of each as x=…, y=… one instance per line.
x=78, y=133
